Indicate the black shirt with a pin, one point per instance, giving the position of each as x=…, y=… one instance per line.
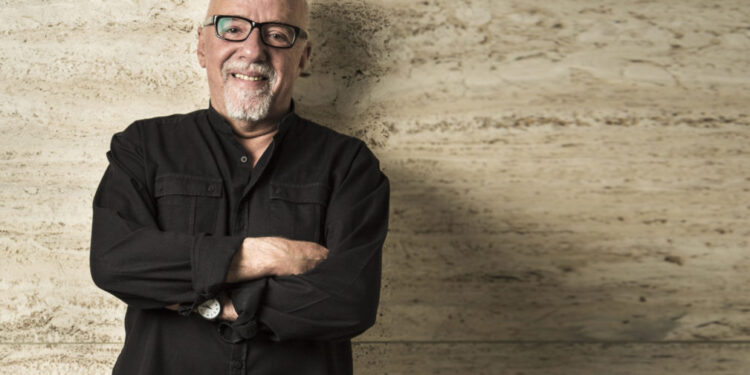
x=174, y=205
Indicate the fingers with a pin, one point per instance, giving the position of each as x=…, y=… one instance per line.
x=300, y=256
x=312, y=250
x=228, y=312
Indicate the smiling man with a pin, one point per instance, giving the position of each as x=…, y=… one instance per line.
x=243, y=238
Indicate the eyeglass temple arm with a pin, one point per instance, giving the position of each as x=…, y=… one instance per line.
x=209, y=21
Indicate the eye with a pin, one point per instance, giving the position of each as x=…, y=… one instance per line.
x=279, y=36
x=233, y=27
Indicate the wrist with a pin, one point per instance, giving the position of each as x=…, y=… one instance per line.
x=210, y=309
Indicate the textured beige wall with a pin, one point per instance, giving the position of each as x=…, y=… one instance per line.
x=570, y=178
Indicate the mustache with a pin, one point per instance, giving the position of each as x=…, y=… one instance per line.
x=261, y=68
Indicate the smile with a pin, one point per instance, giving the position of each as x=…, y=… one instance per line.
x=247, y=78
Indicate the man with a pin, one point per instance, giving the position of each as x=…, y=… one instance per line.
x=243, y=238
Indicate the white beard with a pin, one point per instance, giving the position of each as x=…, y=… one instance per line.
x=248, y=105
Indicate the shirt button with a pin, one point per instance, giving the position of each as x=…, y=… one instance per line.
x=236, y=365
x=211, y=188
x=243, y=159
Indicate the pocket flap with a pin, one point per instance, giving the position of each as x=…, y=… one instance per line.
x=307, y=193
x=173, y=184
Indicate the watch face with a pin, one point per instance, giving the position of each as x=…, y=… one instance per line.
x=210, y=309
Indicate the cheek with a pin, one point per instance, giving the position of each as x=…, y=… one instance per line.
x=215, y=60
x=287, y=73
x=215, y=73
x=215, y=64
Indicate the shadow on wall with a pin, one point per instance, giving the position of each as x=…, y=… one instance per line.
x=464, y=259
x=479, y=267
x=462, y=262
x=437, y=282
x=431, y=262
x=350, y=54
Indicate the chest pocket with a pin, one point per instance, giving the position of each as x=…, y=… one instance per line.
x=298, y=211
x=187, y=204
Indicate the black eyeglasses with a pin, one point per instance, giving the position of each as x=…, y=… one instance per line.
x=273, y=34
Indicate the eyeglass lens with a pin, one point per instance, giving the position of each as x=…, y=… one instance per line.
x=273, y=34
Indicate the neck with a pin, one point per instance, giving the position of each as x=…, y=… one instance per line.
x=255, y=133
x=249, y=129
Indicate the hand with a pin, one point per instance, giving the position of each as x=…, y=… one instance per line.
x=274, y=256
x=228, y=312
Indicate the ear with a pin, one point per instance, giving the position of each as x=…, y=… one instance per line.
x=201, y=52
x=305, y=59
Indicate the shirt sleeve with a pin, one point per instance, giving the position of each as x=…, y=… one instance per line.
x=134, y=260
x=339, y=298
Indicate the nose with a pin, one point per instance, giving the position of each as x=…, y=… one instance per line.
x=253, y=49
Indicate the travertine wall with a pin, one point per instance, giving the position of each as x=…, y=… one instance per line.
x=570, y=178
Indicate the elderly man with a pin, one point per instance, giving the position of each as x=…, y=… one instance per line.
x=243, y=238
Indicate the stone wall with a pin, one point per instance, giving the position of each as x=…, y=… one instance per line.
x=570, y=178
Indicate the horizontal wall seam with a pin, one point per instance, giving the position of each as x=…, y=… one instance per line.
x=463, y=342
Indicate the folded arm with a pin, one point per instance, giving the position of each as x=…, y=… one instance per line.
x=289, y=289
x=338, y=298
x=149, y=268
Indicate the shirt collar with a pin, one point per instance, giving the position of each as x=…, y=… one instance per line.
x=221, y=125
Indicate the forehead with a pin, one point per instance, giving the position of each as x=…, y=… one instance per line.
x=287, y=11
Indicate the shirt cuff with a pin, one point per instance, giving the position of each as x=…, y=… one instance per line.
x=210, y=260
x=246, y=299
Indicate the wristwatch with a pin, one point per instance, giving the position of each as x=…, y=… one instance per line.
x=210, y=309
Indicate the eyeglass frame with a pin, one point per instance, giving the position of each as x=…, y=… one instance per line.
x=298, y=32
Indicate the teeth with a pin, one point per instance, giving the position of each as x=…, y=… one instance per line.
x=247, y=78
